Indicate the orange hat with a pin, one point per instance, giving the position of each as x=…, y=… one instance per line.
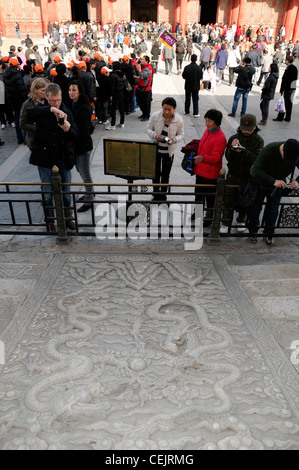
x=39, y=68
x=57, y=59
x=105, y=70
x=14, y=62
x=82, y=64
x=97, y=55
x=53, y=72
x=126, y=57
x=70, y=65
x=5, y=58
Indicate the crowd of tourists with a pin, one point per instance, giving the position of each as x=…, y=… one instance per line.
x=92, y=75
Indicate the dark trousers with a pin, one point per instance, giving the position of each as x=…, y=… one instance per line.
x=17, y=110
x=117, y=103
x=231, y=71
x=264, y=105
x=164, y=163
x=6, y=114
x=194, y=95
x=202, y=194
x=273, y=196
x=264, y=75
x=144, y=100
x=230, y=201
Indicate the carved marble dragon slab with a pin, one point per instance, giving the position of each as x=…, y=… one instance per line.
x=144, y=352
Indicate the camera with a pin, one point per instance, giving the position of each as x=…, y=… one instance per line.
x=238, y=147
x=167, y=140
x=61, y=121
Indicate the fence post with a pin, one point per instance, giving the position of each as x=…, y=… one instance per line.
x=58, y=204
x=220, y=192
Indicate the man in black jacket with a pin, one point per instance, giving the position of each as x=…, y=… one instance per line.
x=192, y=75
x=243, y=84
x=15, y=92
x=53, y=145
x=287, y=89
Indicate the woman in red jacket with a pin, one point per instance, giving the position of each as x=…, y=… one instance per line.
x=208, y=161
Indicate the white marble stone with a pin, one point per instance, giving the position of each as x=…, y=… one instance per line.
x=143, y=352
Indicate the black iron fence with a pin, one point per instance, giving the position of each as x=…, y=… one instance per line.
x=119, y=209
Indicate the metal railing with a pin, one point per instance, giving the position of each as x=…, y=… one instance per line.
x=24, y=212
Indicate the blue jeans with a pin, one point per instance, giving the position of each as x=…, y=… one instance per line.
x=271, y=211
x=83, y=168
x=238, y=93
x=46, y=175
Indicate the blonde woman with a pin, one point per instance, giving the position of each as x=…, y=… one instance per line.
x=36, y=96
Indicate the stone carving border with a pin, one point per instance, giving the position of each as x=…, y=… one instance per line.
x=17, y=327
x=280, y=365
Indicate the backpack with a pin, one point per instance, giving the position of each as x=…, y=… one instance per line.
x=120, y=84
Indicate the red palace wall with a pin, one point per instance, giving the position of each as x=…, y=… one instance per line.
x=33, y=15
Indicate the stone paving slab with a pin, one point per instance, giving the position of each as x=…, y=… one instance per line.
x=144, y=352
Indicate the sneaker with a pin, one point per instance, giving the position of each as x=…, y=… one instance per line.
x=121, y=125
x=101, y=122
x=196, y=115
x=241, y=227
x=224, y=229
x=110, y=128
x=84, y=208
x=186, y=114
x=13, y=124
x=3, y=126
x=253, y=239
x=231, y=115
x=269, y=241
x=106, y=122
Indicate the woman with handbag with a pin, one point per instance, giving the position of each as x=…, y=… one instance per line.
x=268, y=92
x=208, y=162
x=81, y=110
x=165, y=127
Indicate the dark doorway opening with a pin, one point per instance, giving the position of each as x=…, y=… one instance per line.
x=80, y=10
x=144, y=10
x=208, y=11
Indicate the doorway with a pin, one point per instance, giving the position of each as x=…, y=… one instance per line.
x=80, y=10
x=144, y=11
x=208, y=11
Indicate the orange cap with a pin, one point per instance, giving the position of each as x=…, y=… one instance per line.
x=57, y=59
x=82, y=64
x=53, y=72
x=14, y=62
x=39, y=68
x=126, y=57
